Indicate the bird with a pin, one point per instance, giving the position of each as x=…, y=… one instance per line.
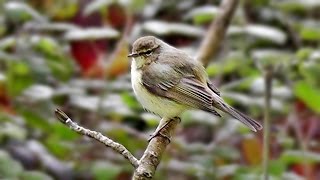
x=167, y=81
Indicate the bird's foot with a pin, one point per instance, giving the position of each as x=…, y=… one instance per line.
x=159, y=129
x=158, y=133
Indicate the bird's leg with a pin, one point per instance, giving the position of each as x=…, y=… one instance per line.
x=157, y=132
x=162, y=125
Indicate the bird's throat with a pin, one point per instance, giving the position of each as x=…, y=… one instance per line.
x=139, y=62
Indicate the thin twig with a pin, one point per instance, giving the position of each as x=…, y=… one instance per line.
x=303, y=141
x=97, y=136
x=266, y=123
x=215, y=35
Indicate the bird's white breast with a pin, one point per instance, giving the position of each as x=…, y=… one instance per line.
x=156, y=104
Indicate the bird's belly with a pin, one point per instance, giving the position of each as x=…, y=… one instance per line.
x=156, y=104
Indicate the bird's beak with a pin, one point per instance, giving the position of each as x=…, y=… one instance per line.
x=133, y=55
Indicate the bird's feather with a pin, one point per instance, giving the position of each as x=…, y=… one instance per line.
x=183, y=80
x=183, y=86
x=219, y=103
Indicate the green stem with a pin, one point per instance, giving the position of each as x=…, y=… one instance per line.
x=266, y=123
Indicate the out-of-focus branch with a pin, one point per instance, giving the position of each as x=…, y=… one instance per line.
x=97, y=136
x=266, y=123
x=152, y=155
x=214, y=36
x=303, y=141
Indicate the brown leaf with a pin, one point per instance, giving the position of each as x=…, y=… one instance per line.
x=119, y=62
x=252, y=150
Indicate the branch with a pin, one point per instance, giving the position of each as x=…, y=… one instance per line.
x=97, y=136
x=212, y=41
x=266, y=124
x=152, y=155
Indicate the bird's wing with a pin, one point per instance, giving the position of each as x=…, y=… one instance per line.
x=193, y=93
x=213, y=88
x=184, y=64
x=179, y=85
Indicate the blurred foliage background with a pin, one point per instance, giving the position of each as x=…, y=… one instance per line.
x=72, y=54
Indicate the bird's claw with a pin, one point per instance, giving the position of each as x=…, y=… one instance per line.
x=158, y=133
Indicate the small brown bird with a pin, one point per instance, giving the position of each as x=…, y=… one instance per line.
x=167, y=82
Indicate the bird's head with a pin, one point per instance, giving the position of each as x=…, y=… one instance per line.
x=146, y=50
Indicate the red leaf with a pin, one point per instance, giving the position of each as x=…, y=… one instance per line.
x=5, y=102
x=306, y=170
x=88, y=53
x=117, y=16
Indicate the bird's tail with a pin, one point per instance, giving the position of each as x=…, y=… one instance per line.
x=252, y=124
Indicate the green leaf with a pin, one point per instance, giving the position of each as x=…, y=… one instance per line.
x=203, y=18
x=12, y=131
x=36, y=121
x=203, y=14
x=34, y=175
x=57, y=146
x=9, y=168
x=227, y=153
x=59, y=64
x=47, y=46
x=18, y=12
x=309, y=33
x=60, y=68
x=310, y=70
x=63, y=132
x=137, y=5
x=19, y=77
x=308, y=94
x=103, y=170
x=304, y=53
x=267, y=33
x=277, y=167
x=57, y=142
x=162, y=28
x=213, y=69
x=130, y=101
x=295, y=156
x=234, y=62
x=122, y=137
x=271, y=57
x=63, y=10
x=296, y=6
x=7, y=43
x=96, y=6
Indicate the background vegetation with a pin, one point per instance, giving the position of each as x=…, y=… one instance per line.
x=73, y=55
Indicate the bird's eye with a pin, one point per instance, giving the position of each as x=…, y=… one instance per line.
x=148, y=53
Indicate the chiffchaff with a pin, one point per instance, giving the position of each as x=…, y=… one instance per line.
x=167, y=82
